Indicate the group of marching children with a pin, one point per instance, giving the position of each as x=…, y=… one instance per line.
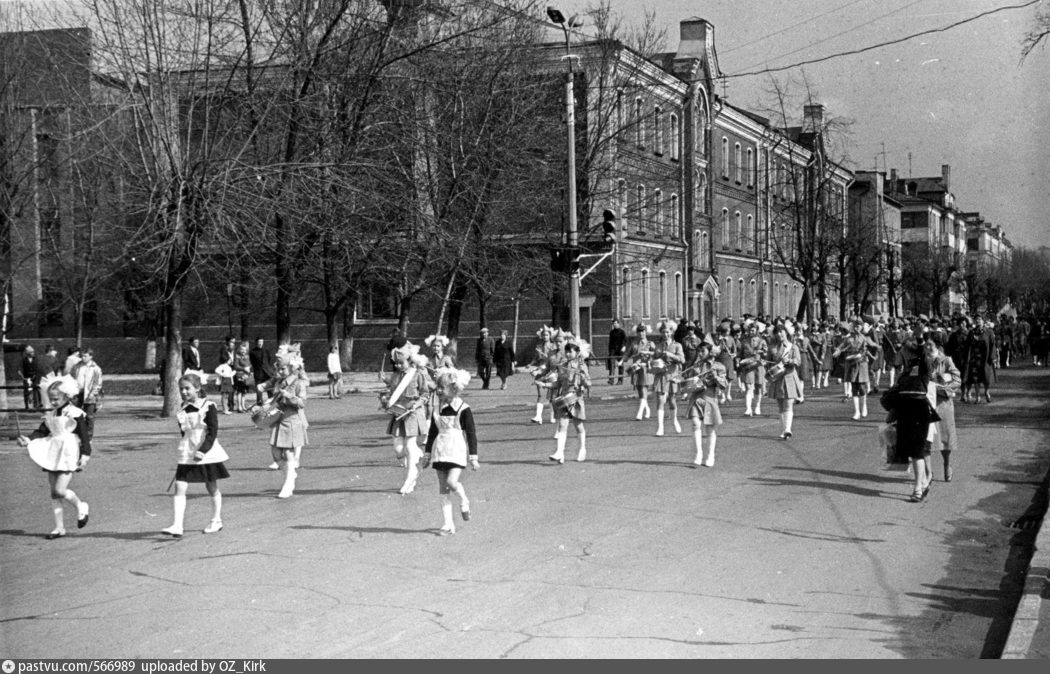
x=563, y=381
x=424, y=398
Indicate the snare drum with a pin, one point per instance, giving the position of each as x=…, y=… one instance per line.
x=266, y=416
x=776, y=371
x=399, y=411
x=566, y=401
x=690, y=385
x=658, y=366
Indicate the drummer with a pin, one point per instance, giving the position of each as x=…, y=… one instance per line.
x=667, y=363
x=545, y=349
x=638, y=366
x=572, y=384
x=750, y=370
x=707, y=386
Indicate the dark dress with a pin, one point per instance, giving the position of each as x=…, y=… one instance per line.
x=913, y=413
x=503, y=359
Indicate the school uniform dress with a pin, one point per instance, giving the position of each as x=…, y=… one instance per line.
x=199, y=424
x=673, y=356
x=787, y=386
x=854, y=352
x=540, y=362
x=60, y=441
x=948, y=380
x=805, y=365
x=641, y=356
x=452, y=438
x=419, y=388
x=291, y=431
x=573, y=377
x=909, y=402
x=727, y=356
x=752, y=351
x=703, y=402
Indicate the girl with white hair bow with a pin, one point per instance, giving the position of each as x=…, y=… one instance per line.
x=666, y=380
x=451, y=443
x=410, y=389
x=289, y=436
x=61, y=446
x=545, y=354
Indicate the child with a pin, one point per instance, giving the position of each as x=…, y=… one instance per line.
x=225, y=374
x=409, y=392
x=641, y=375
x=200, y=455
x=335, y=373
x=665, y=379
x=242, y=376
x=61, y=446
x=289, y=394
x=574, y=381
x=452, y=442
x=703, y=403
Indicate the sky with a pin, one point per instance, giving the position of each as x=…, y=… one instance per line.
x=961, y=97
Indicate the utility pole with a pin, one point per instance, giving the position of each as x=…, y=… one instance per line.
x=570, y=123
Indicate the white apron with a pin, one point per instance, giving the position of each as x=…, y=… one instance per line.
x=450, y=446
x=193, y=431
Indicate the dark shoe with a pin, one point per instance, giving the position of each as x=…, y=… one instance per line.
x=55, y=534
x=947, y=474
x=465, y=514
x=82, y=515
x=926, y=489
x=987, y=398
x=916, y=497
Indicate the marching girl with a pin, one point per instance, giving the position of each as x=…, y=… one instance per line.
x=61, y=446
x=666, y=380
x=410, y=389
x=451, y=443
x=200, y=455
x=703, y=403
x=573, y=382
x=805, y=354
x=289, y=394
x=439, y=359
x=545, y=349
x=854, y=350
x=641, y=376
x=878, y=362
x=752, y=374
x=727, y=352
x=787, y=388
x=816, y=355
x=947, y=379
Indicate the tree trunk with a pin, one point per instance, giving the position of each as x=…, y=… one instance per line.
x=402, y=317
x=284, y=278
x=173, y=354
x=346, y=353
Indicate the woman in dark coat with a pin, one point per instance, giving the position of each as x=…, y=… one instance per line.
x=503, y=359
x=909, y=404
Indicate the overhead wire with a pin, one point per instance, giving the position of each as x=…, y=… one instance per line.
x=787, y=28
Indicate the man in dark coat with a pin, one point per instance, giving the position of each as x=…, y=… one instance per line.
x=191, y=355
x=30, y=378
x=503, y=359
x=617, y=349
x=484, y=352
x=262, y=365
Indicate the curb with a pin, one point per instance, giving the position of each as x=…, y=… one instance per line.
x=1026, y=617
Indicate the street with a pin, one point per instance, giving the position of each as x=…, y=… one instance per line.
x=804, y=548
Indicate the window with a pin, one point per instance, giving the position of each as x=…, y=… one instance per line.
x=794, y=298
x=658, y=136
x=752, y=297
x=776, y=299
x=725, y=157
x=51, y=302
x=740, y=298
x=782, y=181
x=701, y=132
x=639, y=126
x=725, y=228
x=621, y=191
x=705, y=250
x=727, y=301
x=658, y=212
x=701, y=191
x=734, y=235
x=750, y=167
x=676, y=231
x=625, y=289
x=620, y=120
x=749, y=234
x=663, y=293
x=377, y=301
x=739, y=163
x=675, y=139
x=645, y=293
x=639, y=207
x=678, y=294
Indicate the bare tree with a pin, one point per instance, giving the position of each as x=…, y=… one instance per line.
x=926, y=276
x=1037, y=34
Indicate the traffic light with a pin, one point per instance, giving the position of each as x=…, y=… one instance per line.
x=558, y=260
x=572, y=260
x=609, y=234
x=565, y=259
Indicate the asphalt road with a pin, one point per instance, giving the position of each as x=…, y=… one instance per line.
x=797, y=549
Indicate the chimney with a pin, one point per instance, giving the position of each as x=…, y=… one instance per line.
x=813, y=118
x=893, y=179
x=696, y=35
x=946, y=177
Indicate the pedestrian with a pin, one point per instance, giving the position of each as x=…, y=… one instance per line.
x=571, y=386
x=335, y=373
x=784, y=358
x=88, y=376
x=72, y=358
x=225, y=374
x=227, y=354
x=750, y=368
x=947, y=379
x=667, y=365
x=30, y=371
x=856, y=351
x=289, y=436
x=200, y=456
x=483, y=354
x=503, y=359
x=980, y=358
x=617, y=349
x=262, y=366
x=191, y=355
x=243, y=381
x=451, y=443
x=61, y=446
x=638, y=368
x=542, y=375
x=406, y=399
x=911, y=407
x=46, y=364
x=705, y=388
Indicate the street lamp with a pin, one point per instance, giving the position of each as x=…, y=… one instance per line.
x=570, y=124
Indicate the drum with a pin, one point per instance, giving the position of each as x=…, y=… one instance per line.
x=566, y=401
x=399, y=412
x=690, y=385
x=658, y=366
x=776, y=371
x=747, y=363
x=854, y=357
x=265, y=416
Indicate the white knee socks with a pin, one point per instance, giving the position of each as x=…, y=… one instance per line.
x=539, y=414
x=659, y=422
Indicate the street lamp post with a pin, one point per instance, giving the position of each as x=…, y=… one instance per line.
x=570, y=125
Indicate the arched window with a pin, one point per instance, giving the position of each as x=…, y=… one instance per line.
x=749, y=236
x=621, y=119
x=639, y=122
x=705, y=250
x=674, y=132
x=678, y=294
x=701, y=191
x=639, y=207
x=725, y=228
x=725, y=157
x=765, y=297
x=794, y=298
x=658, y=212
x=734, y=234
x=776, y=299
x=740, y=298
x=621, y=191
x=675, y=219
x=663, y=293
x=750, y=168
x=701, y=132
x=699, y=254
x=645, y=293
x=752, y=297
x=658, y=135
x=625, y=289
x=727, y=301
x=739, y=163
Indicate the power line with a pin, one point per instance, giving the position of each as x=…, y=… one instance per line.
x=787, y=28
x=885, y=44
